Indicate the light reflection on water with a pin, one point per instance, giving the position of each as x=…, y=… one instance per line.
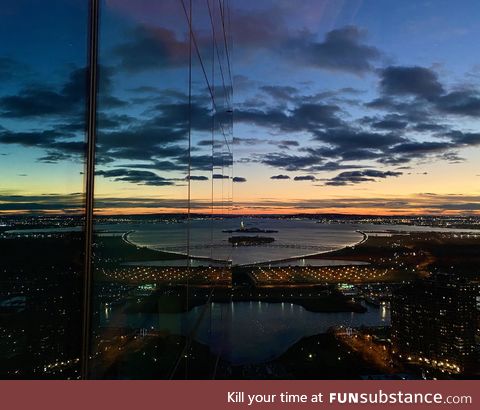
x=250, y=332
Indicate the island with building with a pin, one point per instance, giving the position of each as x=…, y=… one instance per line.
x=244, y=229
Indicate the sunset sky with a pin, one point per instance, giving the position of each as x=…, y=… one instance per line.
x=361, y=106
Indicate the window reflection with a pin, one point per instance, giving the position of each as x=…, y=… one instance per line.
x=163, y=186
x=42, y=133
x=332, y=118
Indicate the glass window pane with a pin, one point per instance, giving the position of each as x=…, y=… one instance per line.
x=141, y=191
x=42, y=141
x=163, y=185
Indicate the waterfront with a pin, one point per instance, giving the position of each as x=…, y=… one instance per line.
x=144, y=311
x=295, y=239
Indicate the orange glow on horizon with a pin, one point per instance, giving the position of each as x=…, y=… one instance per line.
x=252, y=211
x=282, y=211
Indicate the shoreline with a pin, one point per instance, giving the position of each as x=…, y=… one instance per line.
x=180, y=254
x=316, y=255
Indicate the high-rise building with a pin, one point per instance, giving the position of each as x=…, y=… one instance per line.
x=434, y=322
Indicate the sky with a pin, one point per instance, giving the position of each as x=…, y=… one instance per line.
x=317, y=106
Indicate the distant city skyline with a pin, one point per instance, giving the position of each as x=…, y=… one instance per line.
x=359, y=107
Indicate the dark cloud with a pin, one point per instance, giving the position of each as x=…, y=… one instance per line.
x=282, y=144
x=11, y=70
x=147, y=89
x=348, y=139
x=359, y=154
x=384, y=141
x=58, y=146
x=54, y=158
x=161, y=141
x=304, y=178
x=110, y=102
x=409, y=150
x=270, y=118
x=313, y=115
x=342, y=50
x=380, y=139
x=429, y=127
x=144, y=142
x=108, y=121
x=178, y=115
x=156, y=141
x=205, y=163
x=416, y=81
x=390, y=124
x=415, y=148
x=465, y=138
x=247, y=141
x=280, y=176
x=430, y=95
x=162, y=137
x=135, y=176
x=208, y=143
x=465, y=103
x=288, y=162
x=356, y=177
x=197, y=178
x=239, y=179
x=279, y=92
x=150, y=48
x=285, y=144
x=220, y=176
x=39, y=203
x=30, y=139
x=304, y=117
x=158, y=165
x=333, y=166
x=316, y=161
x=412, y=110
x=178, y=160
x=39, y=100
x=60, y=102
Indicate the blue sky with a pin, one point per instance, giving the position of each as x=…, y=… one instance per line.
x=343, y=103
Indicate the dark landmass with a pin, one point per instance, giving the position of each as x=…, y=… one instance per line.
x=250, y=240
x=155, y=355
x=421, y=252
x=116, y=250
x=322, y=357
x=164, y=356
x=45, y=275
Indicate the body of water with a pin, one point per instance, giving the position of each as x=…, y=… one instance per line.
x=247, y=332
x=295, y=238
